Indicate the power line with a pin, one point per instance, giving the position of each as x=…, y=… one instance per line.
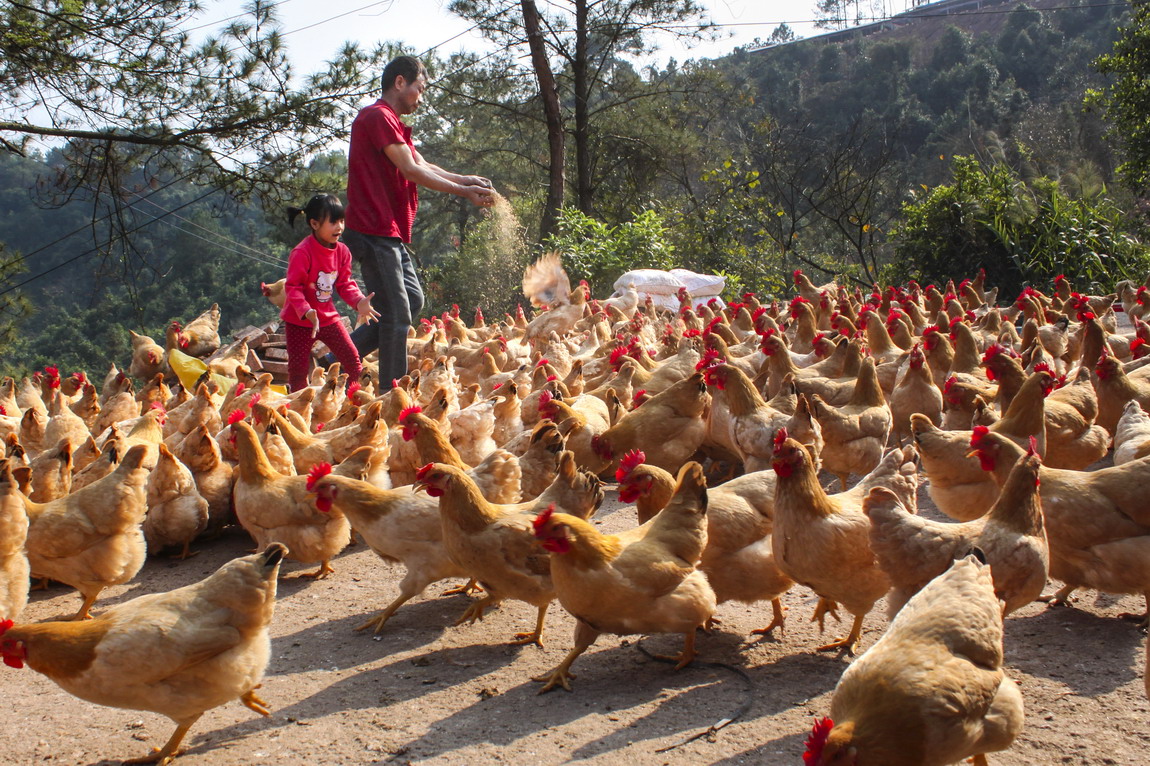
x=229, y=246
x=78, y=256
x=905, y=16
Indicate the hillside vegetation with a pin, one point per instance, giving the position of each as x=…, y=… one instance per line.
x=857, y=158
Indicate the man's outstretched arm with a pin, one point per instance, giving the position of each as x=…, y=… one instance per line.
x=414, y=168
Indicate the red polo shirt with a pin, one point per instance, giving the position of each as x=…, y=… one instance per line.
x=380, y=201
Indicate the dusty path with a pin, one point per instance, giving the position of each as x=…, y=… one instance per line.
x=426, y=692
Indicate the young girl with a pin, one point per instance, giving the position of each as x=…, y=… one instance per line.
x=318, y=268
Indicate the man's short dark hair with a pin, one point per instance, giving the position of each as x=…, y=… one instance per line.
x=409, y=67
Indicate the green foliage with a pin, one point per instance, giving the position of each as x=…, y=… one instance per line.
x=14, y=306
x=600, y=253
x=1126, y=98
x=1020, y=231
x=128, y=75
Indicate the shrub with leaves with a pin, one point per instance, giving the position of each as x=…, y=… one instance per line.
x=1020, y=231
x=600, y=253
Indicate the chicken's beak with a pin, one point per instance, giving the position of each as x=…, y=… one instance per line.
x=418, y=487
x=973, y=453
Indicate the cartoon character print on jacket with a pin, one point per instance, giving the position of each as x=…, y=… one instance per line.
x=324, y=285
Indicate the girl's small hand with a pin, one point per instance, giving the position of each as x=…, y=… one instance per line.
x=367, y=314
x=313, y=317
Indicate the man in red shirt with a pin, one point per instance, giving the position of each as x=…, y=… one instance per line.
x=385, y=171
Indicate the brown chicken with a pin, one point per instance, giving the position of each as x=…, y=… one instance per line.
x=580, y=420
x=92, y=538
x=854, y=434
x=645, y=580
x=330, y=445
x=213, y=475
x=404, y=526
x=225, y=361
x=738, y=560
x=823, y=542
x=493, y=544
x=276, y=508
x=668, y=427
x=1132, y=438
x=539, y=463
x=957, y=485
x=275, y=292
x=1071, y=439
x=751, y=422
x=177, y=513
x=14, y=573
x=931, y=691
x=498, y=476
x=201, y=336
x=148, y=357
x=913, y=550
x=915, y=392
x=1097, y=522
x=1115, y=388
x=52, y=473
x=546, y=284
x=179, y=653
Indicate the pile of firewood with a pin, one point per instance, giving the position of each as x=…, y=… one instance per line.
x=267, y=348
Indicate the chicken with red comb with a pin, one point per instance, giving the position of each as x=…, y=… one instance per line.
x=179, y=653
x=932, y=690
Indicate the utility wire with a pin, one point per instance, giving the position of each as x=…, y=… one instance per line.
x=229, y=245
x=78, y=256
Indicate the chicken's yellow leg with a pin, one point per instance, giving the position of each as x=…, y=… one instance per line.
x=778, y=611
x=535, y=637
x=169, y=751
x=252, y=702
x=1061, y=598
x=851, y=642
x=477, y=608
x=822, y=609
x=89, y=599
x=379, y=620
x=324, y=570
x=464, y=590
x=1143, y=619
x=585, y=635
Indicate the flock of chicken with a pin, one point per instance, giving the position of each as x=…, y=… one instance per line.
x=488, y=460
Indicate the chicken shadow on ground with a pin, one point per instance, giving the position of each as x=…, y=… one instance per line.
x=695, y=698
x=371, y=689
x=348, y=648
x=1109, y=645
x=403, y=678
x=808, y=676
x=788, y=748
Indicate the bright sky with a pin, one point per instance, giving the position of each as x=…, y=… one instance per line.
x=317, y=29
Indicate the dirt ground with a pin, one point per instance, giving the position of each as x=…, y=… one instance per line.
x=427, y=692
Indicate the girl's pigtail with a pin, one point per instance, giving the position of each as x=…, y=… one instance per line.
x=292, y=214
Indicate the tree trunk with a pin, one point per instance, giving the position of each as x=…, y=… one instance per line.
x=555, y=139
x=582, y=118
